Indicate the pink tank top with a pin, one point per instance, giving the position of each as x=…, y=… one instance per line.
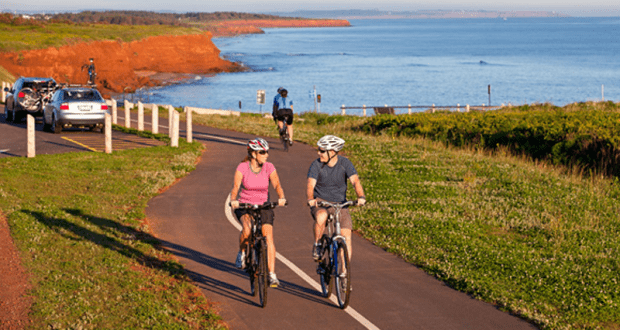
x=255, y=186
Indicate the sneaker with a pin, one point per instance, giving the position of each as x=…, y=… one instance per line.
x=316, y=252
x=240, y=262
x=273, y=280
x=290, y=142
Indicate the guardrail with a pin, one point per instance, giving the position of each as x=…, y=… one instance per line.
x=385, y=109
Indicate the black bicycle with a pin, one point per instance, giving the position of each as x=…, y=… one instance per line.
x=256, y=252
x=334, y=260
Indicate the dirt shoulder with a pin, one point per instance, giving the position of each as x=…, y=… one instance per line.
x=14, y=302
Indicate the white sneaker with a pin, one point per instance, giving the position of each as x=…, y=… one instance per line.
x=273, y=280
x=240, y=262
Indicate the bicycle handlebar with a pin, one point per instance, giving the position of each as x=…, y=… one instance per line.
x=338, y=205
x=265, y=206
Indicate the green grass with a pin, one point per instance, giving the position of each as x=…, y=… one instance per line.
x=6, y=76
x=534, y=239
x=15, y=38
x=78, y=222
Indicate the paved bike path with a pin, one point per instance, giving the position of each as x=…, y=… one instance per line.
x=388, y=293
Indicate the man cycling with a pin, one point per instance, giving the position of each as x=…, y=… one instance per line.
x=327, y=180
x=283, y=109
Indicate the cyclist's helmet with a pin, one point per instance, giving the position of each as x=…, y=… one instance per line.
x=280, y=89
x=258, y=144
x=331, y=142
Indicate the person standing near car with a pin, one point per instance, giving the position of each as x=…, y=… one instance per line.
x=91, y=71
x=283, y=110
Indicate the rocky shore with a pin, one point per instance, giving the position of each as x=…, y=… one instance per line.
x=126, y=66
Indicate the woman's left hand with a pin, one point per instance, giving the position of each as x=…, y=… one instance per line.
x=281, y=201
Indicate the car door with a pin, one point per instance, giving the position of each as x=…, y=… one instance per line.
x=49, y=108
x=10, y=97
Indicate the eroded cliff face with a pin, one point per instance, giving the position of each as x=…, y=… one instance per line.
x=116, y=63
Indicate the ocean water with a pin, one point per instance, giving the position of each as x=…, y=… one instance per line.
x=415, y=62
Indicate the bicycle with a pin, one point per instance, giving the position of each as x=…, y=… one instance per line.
x=334, y=260
x=284, y=135
x=256, y=252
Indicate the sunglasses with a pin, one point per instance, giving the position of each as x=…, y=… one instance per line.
x=322, y=151
x=263, y=152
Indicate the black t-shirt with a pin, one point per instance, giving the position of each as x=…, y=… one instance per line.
x=331, y=182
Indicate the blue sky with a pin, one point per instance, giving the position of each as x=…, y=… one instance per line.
x=571, y=7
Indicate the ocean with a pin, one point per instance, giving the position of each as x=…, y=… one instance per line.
x=401, y=62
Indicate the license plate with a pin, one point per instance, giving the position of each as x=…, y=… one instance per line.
x=85, y=107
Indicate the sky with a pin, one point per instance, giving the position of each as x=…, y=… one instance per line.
x=570, y=7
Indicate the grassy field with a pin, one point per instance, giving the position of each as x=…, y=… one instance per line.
x=78, y=221
x=28, y=37
x=534, y=239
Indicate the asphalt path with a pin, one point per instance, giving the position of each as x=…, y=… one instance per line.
x=192, y=220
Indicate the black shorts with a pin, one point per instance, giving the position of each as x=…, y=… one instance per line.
x=286, y=114
x=266, y=215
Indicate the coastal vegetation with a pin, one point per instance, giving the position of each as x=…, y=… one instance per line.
x=91, y=259
x=537, y=239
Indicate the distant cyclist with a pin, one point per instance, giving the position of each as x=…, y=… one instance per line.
x=283, y=108
x=91, y=71
x=327, y=181
x=251, y=185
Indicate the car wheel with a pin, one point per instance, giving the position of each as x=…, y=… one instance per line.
x=8, y=116
x=46, y=126
x=55, y=127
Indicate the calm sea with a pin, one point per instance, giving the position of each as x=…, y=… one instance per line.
x=417, y=62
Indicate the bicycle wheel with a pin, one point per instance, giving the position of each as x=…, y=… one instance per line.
x=251, y=268
x=262, y=272
x=324, y=269
x=343, y=275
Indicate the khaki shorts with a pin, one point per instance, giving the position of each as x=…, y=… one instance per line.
x=345, y=216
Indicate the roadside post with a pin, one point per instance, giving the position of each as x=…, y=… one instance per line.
x=155, y=118
x=174, y=139
x=114, y=110
x=3, y=92
x=318, y=100
x=127, y=114
x=467, y=108
x=31, y=142
x=343, y=111
x=188, y=124
x=108, y=133
x=409, y=109
x=260, y=99
x=364, y=107
x=458, y=107
x=170, y=119
x=140, y=116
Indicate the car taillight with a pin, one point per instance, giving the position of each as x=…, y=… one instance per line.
x=64, y=106
x=21, y=94
x=104, y=107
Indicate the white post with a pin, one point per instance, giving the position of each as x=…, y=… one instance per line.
x=31, y=144
x=155, y=119
x=114, y=110
x=409, y=109
x=343, y=111
x=467, y=108
x=188, y=122
x=433, y=110
x=3, y=92
x=140, y=116
x=108, y=133
x=127, y=115
x=364, y=110
x=174, y=139
x=170, y=118
x=458, y=107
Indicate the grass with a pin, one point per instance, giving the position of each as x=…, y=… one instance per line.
x=78, y=222
x=15, y=38
x=536, y=240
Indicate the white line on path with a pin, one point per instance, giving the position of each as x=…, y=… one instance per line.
x=349, y=310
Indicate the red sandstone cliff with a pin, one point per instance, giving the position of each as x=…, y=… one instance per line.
x=116, y=63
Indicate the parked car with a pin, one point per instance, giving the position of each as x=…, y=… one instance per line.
x=79, y=107
x=28, y=95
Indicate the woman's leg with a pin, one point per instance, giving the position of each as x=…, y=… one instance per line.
x=271, y=247
x=246, y=221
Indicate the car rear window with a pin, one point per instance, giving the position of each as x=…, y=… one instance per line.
x=82, y=96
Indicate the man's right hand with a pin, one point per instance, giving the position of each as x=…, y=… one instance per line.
x=234, y=204
x=312, y=203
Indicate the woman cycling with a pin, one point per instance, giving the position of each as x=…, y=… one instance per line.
x=251, y=185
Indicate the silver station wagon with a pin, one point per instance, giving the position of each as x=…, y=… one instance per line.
x=78, y=107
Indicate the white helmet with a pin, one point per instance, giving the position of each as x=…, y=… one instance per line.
x=258, y=144
x=330, y=142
